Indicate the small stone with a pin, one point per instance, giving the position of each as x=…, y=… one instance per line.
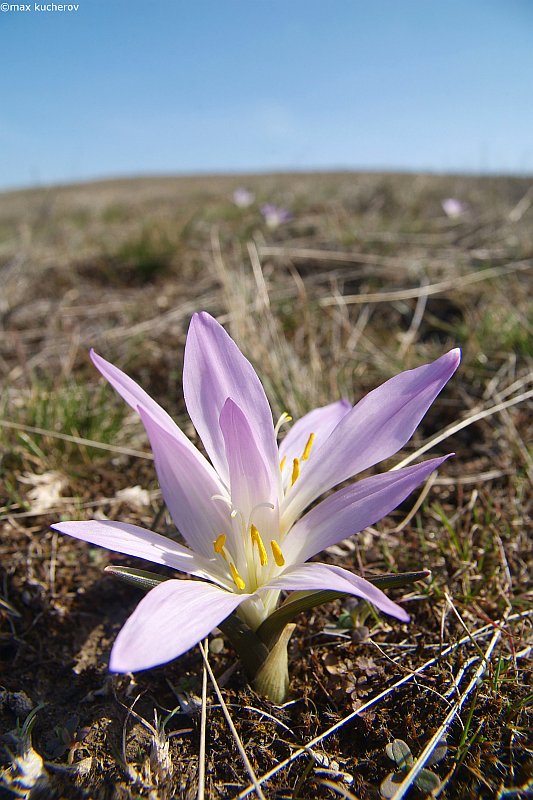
x=216, y=645
x=17, y=702
x=360, y=634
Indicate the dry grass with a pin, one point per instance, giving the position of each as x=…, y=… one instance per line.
x=369, y=278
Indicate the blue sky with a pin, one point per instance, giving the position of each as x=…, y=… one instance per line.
x=123, y=87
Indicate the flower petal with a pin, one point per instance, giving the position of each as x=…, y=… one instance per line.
x=376, y=428
x=135, y=541
x=318, y=577
x=251, y=484
x=320, y=421
x=188, y=484
x=132, y=393
x=214, y=369
x=168, y=621
x=353, y=508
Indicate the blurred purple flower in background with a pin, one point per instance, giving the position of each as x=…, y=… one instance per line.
x=274, y=215
x=453, y=207
x=243, y=197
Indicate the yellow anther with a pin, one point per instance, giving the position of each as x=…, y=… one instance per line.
x=256, y=539
x=295, y=470
x=218, y=544
x=237, y=580
x=276, y=552
x=282, y=463
x=308, y=446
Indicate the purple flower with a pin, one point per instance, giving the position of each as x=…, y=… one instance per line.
x=243, y=513
x=243, y=197
x=453, y=208
x=274, y=215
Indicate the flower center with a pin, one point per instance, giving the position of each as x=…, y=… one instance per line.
x=263, y=555
x=253, y=558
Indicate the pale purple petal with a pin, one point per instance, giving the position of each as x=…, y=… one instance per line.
x=320, y=421
x=318, y=577
x=243, y=197
x=135, y=541
x=188, y=483
x=132, y=393
x=215, y=369
x=252, y=485
x=376, y=428
x=352, y=509
x=453, y=208
x=168, y=621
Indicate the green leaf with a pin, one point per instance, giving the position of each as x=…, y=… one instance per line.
x=297, y=602
x=271, y=627
x=393, y=580
x=427, y=781
x=438, y=753
x=400, y=752
x=137, y=577
x=345, y=621
x=389, y=786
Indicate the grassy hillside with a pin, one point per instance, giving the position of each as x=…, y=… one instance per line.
x=369, y=277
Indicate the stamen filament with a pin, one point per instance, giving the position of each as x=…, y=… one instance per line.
x=295, y=470
x=276, y=552
x=283, y=418
x=221, y=497
x=256, y=539
x=308, y=446
x=237, y=580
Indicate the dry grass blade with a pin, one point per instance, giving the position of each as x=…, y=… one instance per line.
x=330, y=256
x=462, y=623
x=160, y=322
x=256, y=784
x=66, y=437
x=430, y=289
x=516, y=213
x=459, y=426
x=262, y=291
x=419, y=502
x=409, y=336
x=517, y=439
x=203, y=728
x=8, y=515
x=338, y=789
x=477, y=477
x=262, y=713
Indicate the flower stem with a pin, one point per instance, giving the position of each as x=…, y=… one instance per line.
x=272, y=678
x=252, y=651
